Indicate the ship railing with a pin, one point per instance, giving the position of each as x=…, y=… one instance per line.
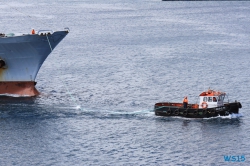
x=45, y=32
x=66, y=29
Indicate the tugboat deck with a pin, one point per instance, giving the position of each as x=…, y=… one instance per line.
x=211, y=104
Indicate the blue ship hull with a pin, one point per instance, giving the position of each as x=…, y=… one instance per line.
x=21, y=58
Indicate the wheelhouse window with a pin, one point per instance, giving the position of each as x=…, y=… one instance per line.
x=209, y=99
x=223, y=97
x=214, y=99
x=205, y=99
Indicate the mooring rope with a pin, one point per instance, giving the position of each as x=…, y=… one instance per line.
x=49, y=42
x=72, y=98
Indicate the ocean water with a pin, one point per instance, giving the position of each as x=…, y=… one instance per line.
x=100, y=84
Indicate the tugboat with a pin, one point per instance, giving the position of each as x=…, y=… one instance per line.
x=211, y=104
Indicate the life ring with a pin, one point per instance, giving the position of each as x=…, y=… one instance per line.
x=204, y=111
x=204, y=104
x=169, y=112
x=212, y=111
x=185, y=112
x=176, y=112
x=195, y=112
x=200, y=112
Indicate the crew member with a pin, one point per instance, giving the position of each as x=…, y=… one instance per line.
x=185, y=102
x=33, y=31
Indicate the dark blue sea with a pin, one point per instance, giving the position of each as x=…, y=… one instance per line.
x=99, y=85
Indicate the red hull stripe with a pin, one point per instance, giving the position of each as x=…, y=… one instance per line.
x=22, y=88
